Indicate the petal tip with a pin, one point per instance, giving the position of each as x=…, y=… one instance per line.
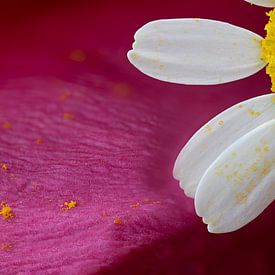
x=213, y=230
x=131, y=55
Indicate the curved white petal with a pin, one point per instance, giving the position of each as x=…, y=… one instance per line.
x=219, y=133
x=240, y=184
x=262, y=3
x=196, y=51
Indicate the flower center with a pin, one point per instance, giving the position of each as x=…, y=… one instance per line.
x=268, y=47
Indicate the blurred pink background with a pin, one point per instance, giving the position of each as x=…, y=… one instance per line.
x=109, y=137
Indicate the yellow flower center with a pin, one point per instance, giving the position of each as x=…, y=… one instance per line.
x=268, y=47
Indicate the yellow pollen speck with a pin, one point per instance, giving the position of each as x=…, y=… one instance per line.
x=241, y=197
x=268, y=47
x=35, y=187
x=68, y=116
x=7, y=125
x=134, y=56
x=122, y=89
x=118, y=221
x=65, y=95
x=156, y=202
x=7, y=246
x=104, y=213
x=78, y=56
x=6, y=211
x=146, y=200
x=208, y=128
x=221, y=122
x=253, y=113
x=161, y=41
x=267, y=167
x=69, y=205
x=39, y=141
x=4, y=166
x=253, y=167
x=134, y=205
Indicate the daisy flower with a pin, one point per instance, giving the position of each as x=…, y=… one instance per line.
x=228, y=166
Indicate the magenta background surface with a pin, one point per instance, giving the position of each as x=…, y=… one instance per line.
x=117, y=149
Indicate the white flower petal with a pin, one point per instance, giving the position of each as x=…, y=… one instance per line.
x=240, y=184
x=219, y=133
x=196, y=51
x=262, y=3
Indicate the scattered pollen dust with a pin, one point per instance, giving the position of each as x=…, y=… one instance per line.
x=134, y=56
x=219, y=172
x=7, y=246
x=253, y=113
x=122, y=89
x=4, y=166
x=208, y=128
x=241, y=197
x=254, y=173
x=221, y=122
x=35, y=187
x=7, y=125
x=104, y=213
x=134, y=205
x=118, y=221
x=66, y=94
x=39, y=141
x=69, y=116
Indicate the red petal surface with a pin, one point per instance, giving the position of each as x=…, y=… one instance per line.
x=79, y=123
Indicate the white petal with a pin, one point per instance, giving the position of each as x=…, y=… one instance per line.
x=240, y=184
x=196, y=51
x=262, y=3
x=219, y=133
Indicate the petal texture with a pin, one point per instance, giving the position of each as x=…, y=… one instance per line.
x=239, y=185
x=262, y=3
x=196, y=51
x=219, y=133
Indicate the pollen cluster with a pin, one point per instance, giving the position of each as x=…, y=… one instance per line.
x=6, y=211
x=69, y=205
x=268, y=47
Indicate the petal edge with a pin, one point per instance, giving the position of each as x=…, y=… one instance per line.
x=262, y=3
